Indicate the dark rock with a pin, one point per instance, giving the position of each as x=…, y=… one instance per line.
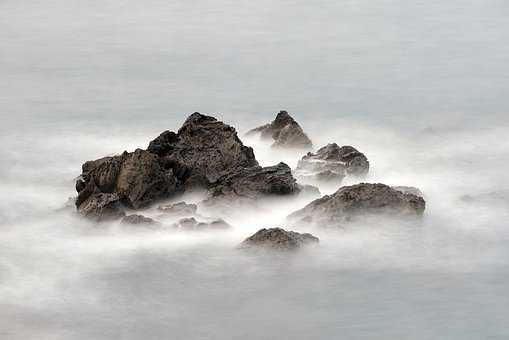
x=192, y=224
x=256, y=181
x=179, y=209
x=278, y=239
x=139, y=220
x=332, y=163
x=202, y=150
x=285, y=132
x=132, y=179
x=360, y=199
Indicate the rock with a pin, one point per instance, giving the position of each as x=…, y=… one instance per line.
x=360, y=199
x=139, y=220
x=285, y=132
x=102, y=207
x=332, y=163
x=256, y=181
x=192, y=224
x=133, y=179
x=179, y=209
x=409, y=190
x=278, y=239
x=202, y=150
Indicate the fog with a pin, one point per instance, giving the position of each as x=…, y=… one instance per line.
x=419, y=87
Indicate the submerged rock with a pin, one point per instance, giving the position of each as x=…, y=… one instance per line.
x=285, y=132
x=256, y=181
x=360, y=199
x=278, y=239
x=139, y=220
x=192, y=224
x=179, y=209
x=332, y=163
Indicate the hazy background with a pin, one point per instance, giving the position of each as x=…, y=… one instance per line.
x=419, y=86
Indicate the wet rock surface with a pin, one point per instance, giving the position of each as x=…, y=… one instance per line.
x=350, y=202
x=278, y=239
x=285, y=132
x=332, y=163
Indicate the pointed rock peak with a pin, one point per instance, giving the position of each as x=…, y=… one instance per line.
x=199, y=118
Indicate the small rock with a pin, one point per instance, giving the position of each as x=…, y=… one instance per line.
x=278, y=239
x=285, y=132
x=332, y=163
x=141, y=220
x=192, y=224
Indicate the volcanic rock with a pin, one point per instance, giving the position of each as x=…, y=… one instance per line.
x=179, y=209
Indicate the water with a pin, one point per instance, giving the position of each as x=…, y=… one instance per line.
x=419, y=87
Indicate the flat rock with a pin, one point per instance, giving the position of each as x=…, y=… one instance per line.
x=332, y=163
x=356, y=200
x=285, y=132
x=278, y=239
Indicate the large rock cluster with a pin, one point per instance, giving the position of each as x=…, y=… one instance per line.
x=360, y=199
x=332, y=163
x=285, y=132
x=204, y=153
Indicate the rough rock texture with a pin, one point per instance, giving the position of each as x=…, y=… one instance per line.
x=409, y=190
x=360, y=199
x=278, y=239
x=256, y=181
x=202, y=150
x=179, y=209
x=133, y=179
x=192, y=224
x=332, y=163
x=139, y=220
x=285, y=132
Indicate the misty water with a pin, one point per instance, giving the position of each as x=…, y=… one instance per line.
x=420, y=87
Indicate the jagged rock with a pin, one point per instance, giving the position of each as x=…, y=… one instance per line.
x=179, y=209
x=409, y=190
x=133, y=179
x=360, y=199
x=278, y=239
x=202, y=150
x=192, y=224
x=285, y=132
x=332, y=163
x=139, y=220
x=256, y=181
